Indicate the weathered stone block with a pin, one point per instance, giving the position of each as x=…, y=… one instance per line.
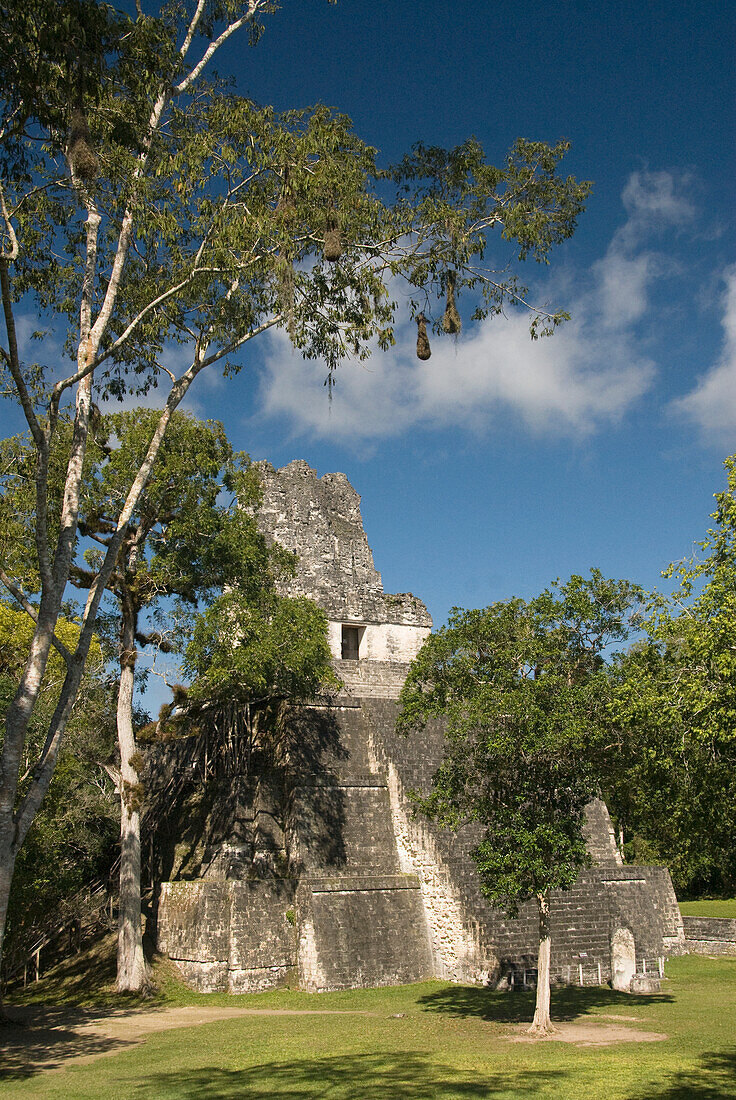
x=362, y=931
x=645, y=983
x=194, y=921
x=261, y=935
x=260, y=979
x=203, y=976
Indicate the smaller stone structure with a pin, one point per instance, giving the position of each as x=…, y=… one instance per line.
x=710, y=935
x=319, y=520
x=623, y=959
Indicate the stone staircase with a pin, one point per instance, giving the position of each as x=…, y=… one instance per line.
x=361, y=922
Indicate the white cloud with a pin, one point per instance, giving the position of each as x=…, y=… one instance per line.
x=657, y=199
x=654, y=202
x=589, y=373
x=711, y=405
x=621, y=286
x=568, y=383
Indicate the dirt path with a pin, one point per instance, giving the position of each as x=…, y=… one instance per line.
x=589, y=1034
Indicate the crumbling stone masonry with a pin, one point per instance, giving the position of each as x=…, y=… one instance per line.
x=316, y=874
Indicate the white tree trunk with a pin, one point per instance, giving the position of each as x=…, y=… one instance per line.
x=541, y=1024
x=132, y=969
x=15, y=821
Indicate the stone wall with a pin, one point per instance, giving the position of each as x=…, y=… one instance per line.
x=710, y=935
x=319, y=520
x=229, y=935
x=361, y=921
x=361, y=930
x=371, y=679
x=396, y=643
x=357, y=918
x=378, y=897
x=469, y=936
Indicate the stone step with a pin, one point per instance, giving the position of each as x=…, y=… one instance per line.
x=344, y=778
x=332, y=884
x=361, y=930
x=646, y=983
x=342, y=829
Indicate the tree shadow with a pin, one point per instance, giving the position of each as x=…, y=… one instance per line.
x=713, y=1079
x=73, y=978
x=315, y=817
x=502, y=1007
x=406, y=1074
x=31, y=1043
x=281, y=816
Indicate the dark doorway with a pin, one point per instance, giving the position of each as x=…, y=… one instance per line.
x=350, y=643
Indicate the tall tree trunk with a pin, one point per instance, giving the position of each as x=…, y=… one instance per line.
x=541, y=1024
x=132, y=969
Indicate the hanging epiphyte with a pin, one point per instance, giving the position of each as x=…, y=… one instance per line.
x=285, y=207
x=332, y=250
x=451, y=321
x=82, y=156
x=423, y=349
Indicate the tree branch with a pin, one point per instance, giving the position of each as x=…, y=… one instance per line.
x=192, y=28
x=235, y=344
x=12, y=252
x=186, y=83
x=13, y=359
x=30, y=610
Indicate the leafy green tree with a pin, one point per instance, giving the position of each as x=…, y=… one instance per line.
x=73, y=837
x=141, y=204
x=192, y=534
x=673, y=718
x=180, y=543
x=520, y=688
x=254, y=656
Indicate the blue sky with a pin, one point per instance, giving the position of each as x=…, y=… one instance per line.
x=501, y=463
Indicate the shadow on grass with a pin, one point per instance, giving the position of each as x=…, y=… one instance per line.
x=87, y=980
x=74, y=978
x=30, y=1046
x=501, y=1007
x=409, y=1075
x=714, y=1078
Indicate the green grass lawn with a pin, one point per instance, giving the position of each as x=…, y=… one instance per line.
x=709, y=907
x=451, y=1042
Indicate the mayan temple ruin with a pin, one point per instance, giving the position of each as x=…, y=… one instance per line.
x=311, y=871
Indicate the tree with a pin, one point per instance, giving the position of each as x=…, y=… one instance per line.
x=672, y=718
x=247, y=654
x=180, y=543
x=193, y=533
x=72, y=838
x=519, y=687
x=142, y=204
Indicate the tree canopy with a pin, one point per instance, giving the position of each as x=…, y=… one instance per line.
x=673, y=718
x=521, y=687
x=181, y=543
x=72, y=839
